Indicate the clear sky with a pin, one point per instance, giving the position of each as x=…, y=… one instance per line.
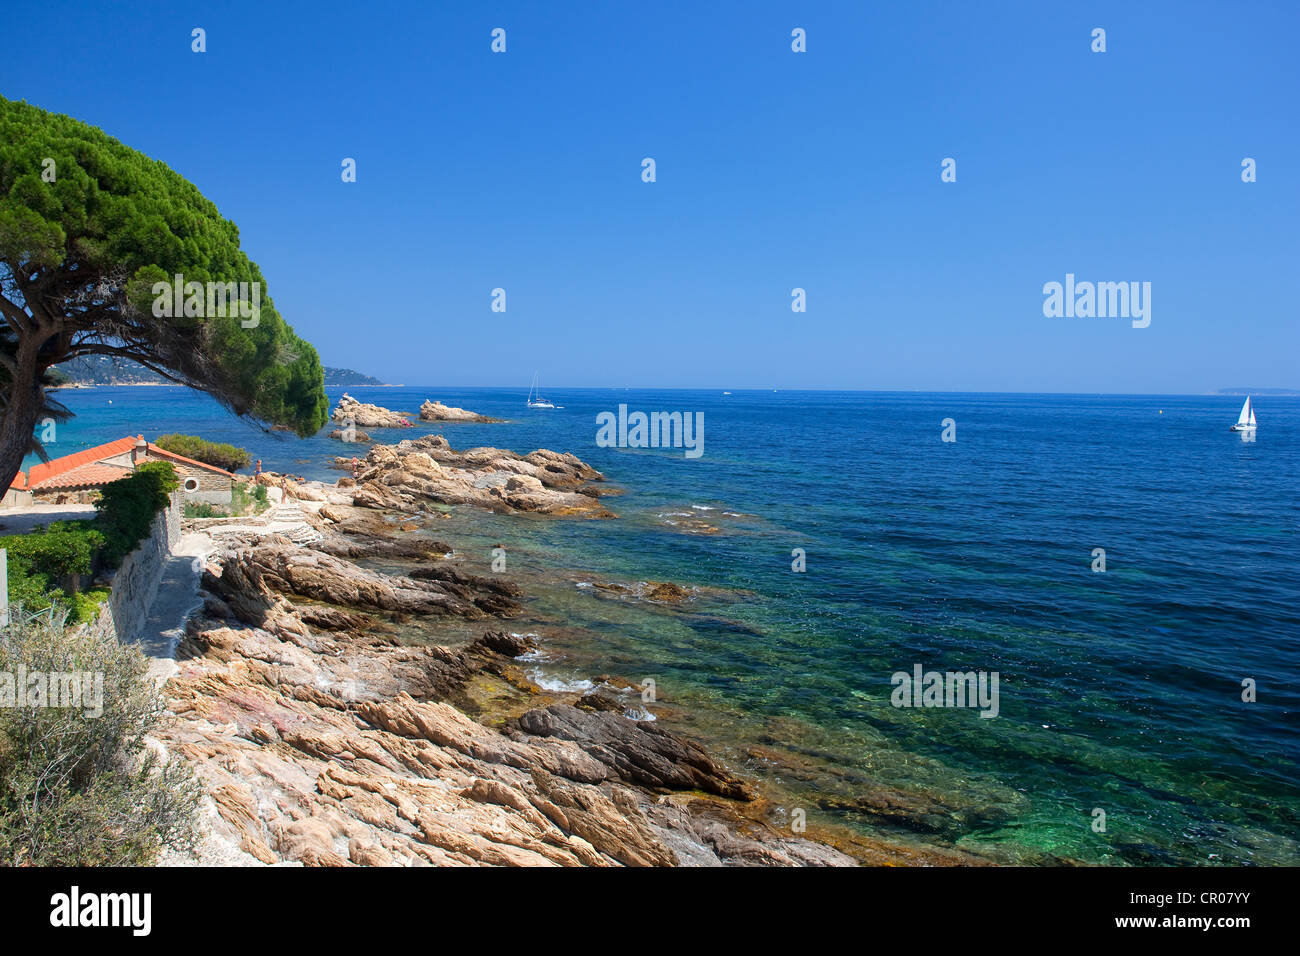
x=775, y=170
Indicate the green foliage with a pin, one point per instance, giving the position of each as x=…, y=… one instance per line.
x=245, y=502
x=127, y=508
x=86, y=605
x=39, y=561
x=217, y=454
x=44, y=564
x=202, y=509
x=78, y=784
x=117, y=221
x=60, y=549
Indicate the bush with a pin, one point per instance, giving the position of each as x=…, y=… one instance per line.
x=243, y=502
x=202, y=509
x=127, y=508
x=210, y=453
x=79, y=788
x=86, y=605
x=40, y=561
x=44, y=565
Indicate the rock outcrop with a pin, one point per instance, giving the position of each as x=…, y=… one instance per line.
x=250, y=576
x=344, y=747
x=406, y=476
x=438, y=412
x=349, y=411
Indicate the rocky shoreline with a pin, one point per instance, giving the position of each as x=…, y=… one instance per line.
x=322, y=739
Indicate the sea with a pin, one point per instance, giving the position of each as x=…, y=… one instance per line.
x=1125, y=567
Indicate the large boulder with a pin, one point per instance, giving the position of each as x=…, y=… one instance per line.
x=438, y=412
x=349, y=411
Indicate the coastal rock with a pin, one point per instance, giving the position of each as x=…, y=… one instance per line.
x=438, y=412
x=341, y=749
x=356, y=435
x=362, y=415
x=277, y=566
x=638, y=751
x=349, y=532
x=666, y=591
x=412, y=474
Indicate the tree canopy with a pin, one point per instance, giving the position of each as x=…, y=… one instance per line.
x=88, y=229
x=217, y=454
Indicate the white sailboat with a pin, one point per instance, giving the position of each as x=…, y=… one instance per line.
x=1246, y=420
x=535, y=399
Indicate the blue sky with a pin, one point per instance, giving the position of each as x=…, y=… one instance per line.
x=775, y=170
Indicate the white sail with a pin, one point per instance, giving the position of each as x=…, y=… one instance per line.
x=535, y=399
x=1244, y=417
x=1252, y=414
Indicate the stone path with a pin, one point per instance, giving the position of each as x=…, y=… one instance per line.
x=177, y=598
x=284, y=517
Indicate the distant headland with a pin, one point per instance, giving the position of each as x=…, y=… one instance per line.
x=89, y=370
x=1259, y=391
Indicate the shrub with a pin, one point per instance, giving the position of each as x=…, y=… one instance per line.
x=217, y=454
x=242, y=501
x=76, y=788
x=86, y=605
x=44, y=565
x=40, y=561
x=127, y=508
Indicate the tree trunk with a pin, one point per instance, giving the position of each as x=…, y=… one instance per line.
x=20, y=416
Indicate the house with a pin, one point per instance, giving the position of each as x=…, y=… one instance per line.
x=17, y=495
x=77, y=478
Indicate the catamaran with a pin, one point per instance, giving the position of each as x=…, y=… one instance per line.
x=1246, y=420
x=535, y=399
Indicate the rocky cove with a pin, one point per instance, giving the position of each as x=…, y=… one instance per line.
x=324, y=736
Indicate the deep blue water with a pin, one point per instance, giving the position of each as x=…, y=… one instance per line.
x=1119, y=691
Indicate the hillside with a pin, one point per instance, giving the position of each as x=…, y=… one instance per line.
x=106, y=370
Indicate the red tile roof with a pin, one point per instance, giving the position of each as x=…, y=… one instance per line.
x=19, y=483
x=39, y=474
x=90, y=475
x=71, y=470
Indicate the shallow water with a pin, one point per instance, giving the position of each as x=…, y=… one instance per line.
x=1118, y=691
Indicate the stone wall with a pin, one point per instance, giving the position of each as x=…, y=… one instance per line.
x=13, y=498
x=135, y=584
x=199, y=484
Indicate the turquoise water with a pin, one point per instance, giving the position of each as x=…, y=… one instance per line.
x=1118, y=691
